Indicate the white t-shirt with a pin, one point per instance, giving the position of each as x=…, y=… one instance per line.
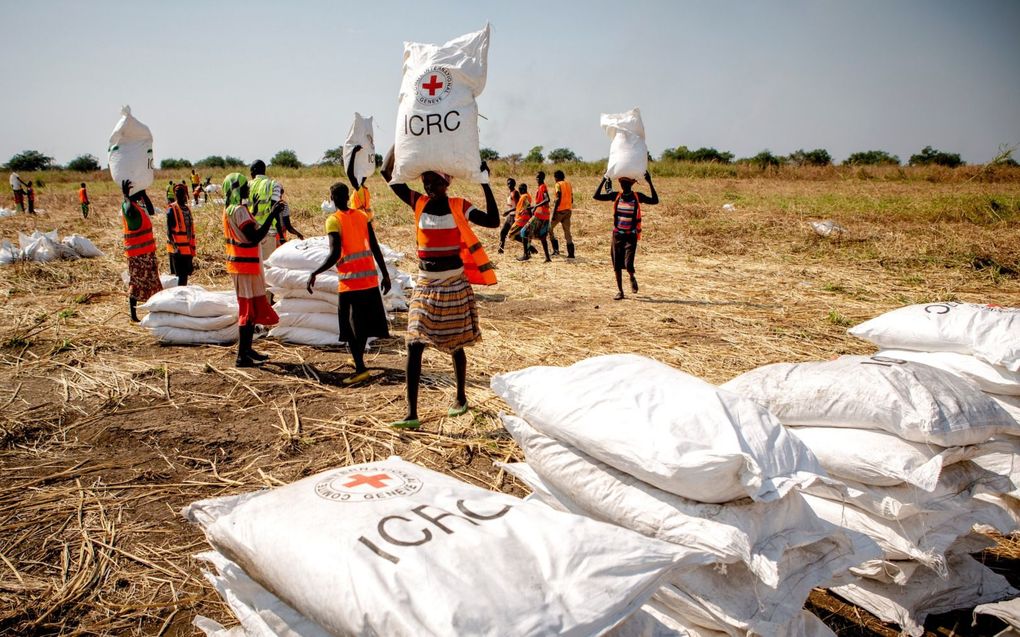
x=15, y=181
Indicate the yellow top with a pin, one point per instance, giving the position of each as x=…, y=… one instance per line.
x=362, y=200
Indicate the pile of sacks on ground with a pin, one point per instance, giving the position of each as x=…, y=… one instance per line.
x=311, y=319
x=43, y=247
x=191, y=315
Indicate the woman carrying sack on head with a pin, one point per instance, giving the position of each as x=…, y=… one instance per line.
x=442, y=312
x=244, y=263
x=139, y=247
x=626, y=225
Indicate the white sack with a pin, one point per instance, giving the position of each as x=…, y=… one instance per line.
x=131, y=152
x=82, y=246
x=628, y=153
x=878, y=458
x=180, y=336
x=755, y=533
x=8, y=253
x=322, y=321
x=913, y=401
x=306, y=336
x=653, y=620
x=957, y=485
x=306, y=254
x=1001, y=457
x=43, y=247
x=928, y=594
x=298, y=305
x=183, y=321
x=1008, y=611
x=360, y=134
x=437, y=117
x=990, y=378
x=733, y=601
x=25, y=241
x=211, y=188
x=327, y=206
x=662, y=426
x=413, y=552
x=193, y=300
x=297, y=280
x=331, y=298
x=7, y=212
x=925, y=537
x=1011, y=404
x=985, y=331
x=167, y=280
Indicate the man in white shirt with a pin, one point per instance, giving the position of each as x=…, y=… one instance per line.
x=19, y=194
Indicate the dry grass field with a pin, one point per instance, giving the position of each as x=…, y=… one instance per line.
x=105, y=435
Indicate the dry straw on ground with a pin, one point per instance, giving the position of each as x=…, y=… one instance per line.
x=105, y=435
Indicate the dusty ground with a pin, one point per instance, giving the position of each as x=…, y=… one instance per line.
x=104, y=435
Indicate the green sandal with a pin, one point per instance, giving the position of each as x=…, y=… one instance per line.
x=457, y=411
x=412, y=424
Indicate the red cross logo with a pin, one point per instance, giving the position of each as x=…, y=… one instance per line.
x=377, y=481
x=432, y=85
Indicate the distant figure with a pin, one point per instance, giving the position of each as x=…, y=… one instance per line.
x=180, y=236
x=244, y=263
x=512, y=197
x=284, y=223
x=562, y=206
x=196, y=185
x=522, y=216
x=626, y=225
x=139, y=247
x=30, y=195
x=205, y=189
x=539, y=227
x=362, y=198
x=170, y=191
x=265, y=194
x=17, y=186
x=361, y=313
x=83, y=198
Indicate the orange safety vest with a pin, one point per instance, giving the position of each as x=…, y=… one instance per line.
x=523, y=214
x=180, y=237
x=542, y=212
x=460, y=240
x=362, y=200
x=566, y=196
x=140, y=241
x=356, y=266
x=83, y=196
x=242, y=257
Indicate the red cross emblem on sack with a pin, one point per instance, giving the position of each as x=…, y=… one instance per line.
x=378, y=481
x=432, y=85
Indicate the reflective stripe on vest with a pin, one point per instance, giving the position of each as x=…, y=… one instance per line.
x=180, y=237
x=356, y=266
x=140, y=241
x=242, y=256
x=477, y=267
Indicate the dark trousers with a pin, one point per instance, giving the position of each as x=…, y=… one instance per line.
x=623, y=249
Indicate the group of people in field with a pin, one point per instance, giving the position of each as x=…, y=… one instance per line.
x=24, y=191
x=442, y=311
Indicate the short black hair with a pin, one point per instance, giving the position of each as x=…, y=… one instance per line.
x=559, y=175
x=258, y=167
x=511, y=182
x=522, y=188
x=339, y=191
x=540, y=175
x=83, y=184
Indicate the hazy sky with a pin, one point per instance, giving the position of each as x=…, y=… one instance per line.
x=250, y=78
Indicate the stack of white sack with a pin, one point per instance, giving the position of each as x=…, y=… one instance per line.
x=919, y=459
x=43, y=247
x=392, y=548
x=628, y=152
x=311, y=319
x=191, y=315
x=627, y=440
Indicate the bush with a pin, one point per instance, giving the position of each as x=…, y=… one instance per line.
x=212, y=161
x=513, y=158
x=929, y=156
x=333, y=157
x=816, y=157
x=561, y=155
x=84, y=164
x=233, y=162
x=489, y=154
x=872, y=158
x=535, y=155
x=765, y=159
x=285, y=159
x=30, y=160
x=171, y=164
x=682, y=153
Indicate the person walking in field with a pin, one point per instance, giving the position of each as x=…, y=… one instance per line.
x=626, y=225
x=18, y=188
x=539, y=226
x=442, y=312
x=562, y=205
x=139, y=247
x=196, y=185
x=243, y=236
x=170, y=191
x=360, y=311
x=30, y=196
x=180, y=236
x=83, y=199
x=511, y=212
